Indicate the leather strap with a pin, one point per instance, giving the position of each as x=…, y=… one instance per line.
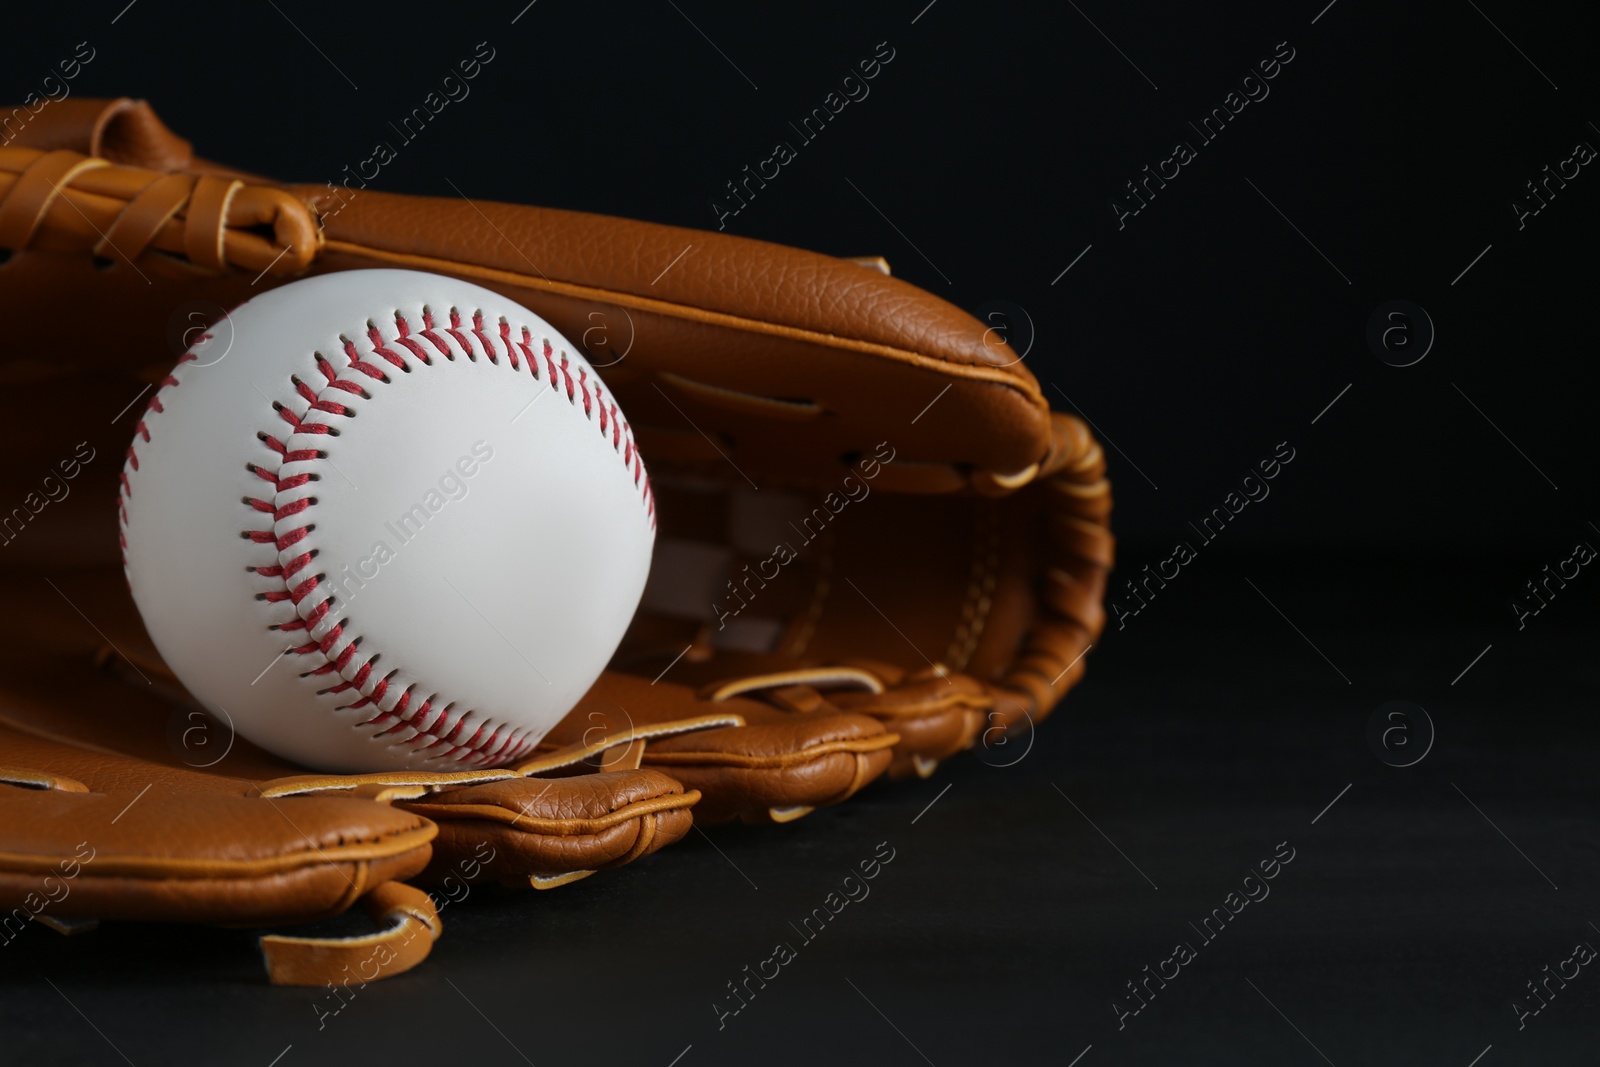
x=146, y=215
x=121, y=129
x=34, y=187
x=208, y=217
x=614, y=750
x=410, y=927
x=810, y=677
x=626, y=756
x=63, y=200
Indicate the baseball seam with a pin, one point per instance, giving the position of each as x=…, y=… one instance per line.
x=489, y=740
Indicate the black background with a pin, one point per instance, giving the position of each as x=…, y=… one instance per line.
x=1226, y=715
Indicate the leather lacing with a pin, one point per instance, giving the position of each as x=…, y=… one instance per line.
x=66, y=201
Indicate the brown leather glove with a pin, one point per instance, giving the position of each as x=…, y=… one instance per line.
x=949, y=548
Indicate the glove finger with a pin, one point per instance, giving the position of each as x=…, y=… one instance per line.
x=550, y=831
x=747, y=758
x=239, y=860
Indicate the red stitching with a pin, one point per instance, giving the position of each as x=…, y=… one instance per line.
x=454, y=330
x=526, y=344
x=477, y=331
x=549, y=359
x=505, y=339
x=433, y=336
x=588, y=401
x=359, y=364
x=381, y=349
x=411, y=344
x=440, y=730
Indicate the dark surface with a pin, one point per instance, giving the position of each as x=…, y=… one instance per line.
x=1197, y=338
x=1206, y=734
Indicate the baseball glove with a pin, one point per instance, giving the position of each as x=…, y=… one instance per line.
x=877, y=545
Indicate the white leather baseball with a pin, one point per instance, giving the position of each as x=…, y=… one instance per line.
x=398, y=523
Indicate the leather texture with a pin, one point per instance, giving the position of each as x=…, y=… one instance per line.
x=102, y=755
x=950, y=607
x=770, y=329
x=394, y=523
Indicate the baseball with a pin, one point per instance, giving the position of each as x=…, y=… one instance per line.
x=394, y=522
